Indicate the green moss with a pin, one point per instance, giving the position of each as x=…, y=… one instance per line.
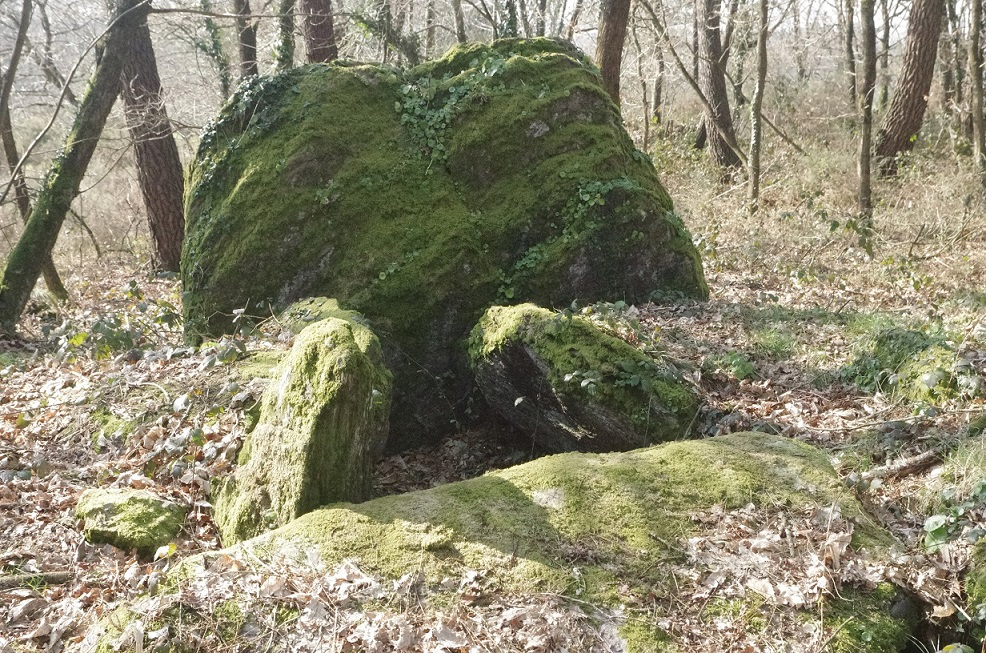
x=129, y=519
x=258, y=364
x=616, y=510
x=307, y=311
x=323, y=420
x=584, y=364
x=318, y=181
x=641, y=637
x=863, y=621
x=913, y=364
x=109, y=424
x=975, y=581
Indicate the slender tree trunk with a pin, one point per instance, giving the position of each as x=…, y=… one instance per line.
x=756, y=108
x=62, y=182
x=884, y=96
x=799, y=42
x=947, y=65
x=712, y=81
x=213, y=48
x=460, y=21
x=319, y=30
x=958, y=55
x=159, y=170
x=7, y=81
x=658, y=100
x=613, y=19
x=573, y=22
x=866, y=91
x=542, y=19
x=246, y=29
x=850, y=51
x=284, y=50
x=430, y=29
x=23, y=199
x=976, y=86
x=906, y=114
x=525, y=19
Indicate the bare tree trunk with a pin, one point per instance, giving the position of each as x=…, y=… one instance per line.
x=460, y=21
x=866, y=91
x=284, y=50
x=947, y=65
x=159, y=169
x=884, y=95
x=658, y=100
x=23, y=199
x=246, y=29
x=319, y=30
x=430, y=29
x=958, y=56
x=525, y=19
x=850, y=51
x=756, y=109
x=46, y=60
x=712, y=80
x=976, y=86
x=213, y=48
x=542, y=18
x=799, y=42
x=25, y=261
x=573, y=22
x=7, y=81
x=906, y=114
x=613, y=19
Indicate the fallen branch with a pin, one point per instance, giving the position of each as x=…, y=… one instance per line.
x=905, y=466
x=46, y=577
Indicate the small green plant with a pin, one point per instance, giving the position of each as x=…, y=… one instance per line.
x=733, y=363
x=953, y=519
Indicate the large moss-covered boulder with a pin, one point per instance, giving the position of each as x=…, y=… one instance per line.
x=572, y=387
x=323, y=421
x=499, y=173
x=129, y=519
x=748, y=538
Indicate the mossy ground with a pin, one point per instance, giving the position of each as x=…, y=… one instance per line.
x=322, y=422
x=585, y=364
x=421, y=197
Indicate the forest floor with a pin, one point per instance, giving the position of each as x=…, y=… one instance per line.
x=102, y=391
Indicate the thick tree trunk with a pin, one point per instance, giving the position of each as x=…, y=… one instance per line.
x=712, y=80
x=319, y=30
x=159, y=170
x=756, y=107
x=613, y=18
x=246, y=32
x=66, y=173
x=284, y=50
x=866, y=92
x=906, y=114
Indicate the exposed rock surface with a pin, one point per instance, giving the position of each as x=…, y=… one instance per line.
x=419, y=198
x=747, y=524
x=572, y=387
x=129, y=519
x=323, y=421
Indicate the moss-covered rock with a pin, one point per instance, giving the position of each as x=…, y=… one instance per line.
x=323, y=421
x=612, y=531
x=573, y=387
x=129, y=519
x=913, y=364
x=499, y=173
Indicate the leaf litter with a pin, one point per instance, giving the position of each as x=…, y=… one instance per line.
x=161, y=416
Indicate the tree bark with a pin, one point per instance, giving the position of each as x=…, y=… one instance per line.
x=906, y=114
x=866, y=92
x=284, y=50
x=976, y=86
x=430, y=29
x=799, y=43
x=460, y=21
x=159, y=170
x=319, y=30
x=613, y=18
x=850, y=51
x=246, y=33
x=884, y=54
x=756, y=108
x=66, y=172
x=712, y=80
